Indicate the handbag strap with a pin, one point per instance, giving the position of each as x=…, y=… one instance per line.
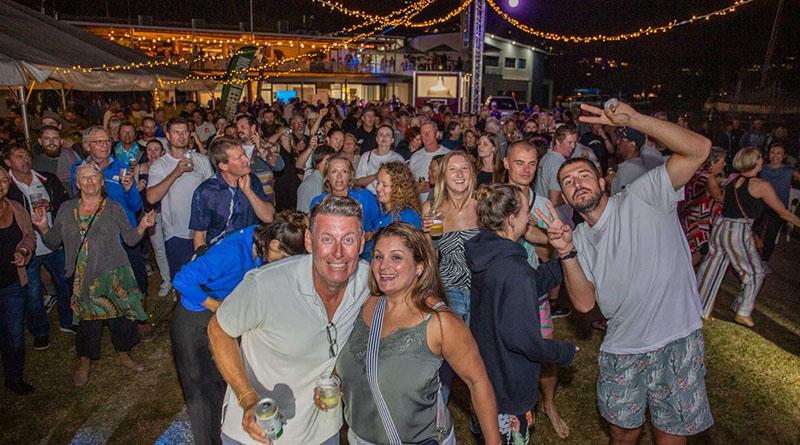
x=88, y=227
x=373, y=346
x=736, y=195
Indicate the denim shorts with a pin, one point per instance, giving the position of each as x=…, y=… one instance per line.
x=670, y=380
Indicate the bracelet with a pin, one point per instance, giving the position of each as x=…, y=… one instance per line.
x=245, y=394
x=23, y=251
x=569, y=256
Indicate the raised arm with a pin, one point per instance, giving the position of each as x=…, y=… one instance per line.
x=689, y=149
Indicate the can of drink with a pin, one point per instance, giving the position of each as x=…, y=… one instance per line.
x=269, y=418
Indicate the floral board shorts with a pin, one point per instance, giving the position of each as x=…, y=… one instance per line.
x=670, y=380
x=545, y=319
x=515, y=429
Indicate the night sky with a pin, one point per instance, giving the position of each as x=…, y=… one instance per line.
x=698, y=59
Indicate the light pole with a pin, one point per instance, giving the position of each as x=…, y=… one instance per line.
x=476, y=75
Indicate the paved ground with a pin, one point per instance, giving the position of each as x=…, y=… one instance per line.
x=753, y=381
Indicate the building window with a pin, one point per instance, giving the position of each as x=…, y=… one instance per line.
x=521, y=64
x=511, y=62
x=491, y=60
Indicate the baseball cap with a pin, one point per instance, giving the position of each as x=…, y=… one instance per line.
x=635, y=136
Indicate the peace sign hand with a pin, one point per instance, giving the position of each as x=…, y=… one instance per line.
x=617, y=114
x=559, y=235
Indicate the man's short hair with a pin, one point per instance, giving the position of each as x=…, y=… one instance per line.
x=250, y=119
x=563, y=131
x=522, y=145
x=127, y=124
x=148, y=118
x=91, y=130
x=336, y=206
x=219, y=149
x=320, y=153
x=176, y=121
x=572, y=161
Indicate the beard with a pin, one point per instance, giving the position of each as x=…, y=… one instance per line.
x=590, y=203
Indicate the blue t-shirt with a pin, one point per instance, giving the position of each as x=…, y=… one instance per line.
x=369, y=206
x=219, y=209
x=130, y=201
x=406, y=215
x=125, y=157
x=781, y=180
x=219, y=271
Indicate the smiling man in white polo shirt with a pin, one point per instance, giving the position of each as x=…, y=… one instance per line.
x=293, y=318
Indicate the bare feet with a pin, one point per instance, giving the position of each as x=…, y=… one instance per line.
x=126, y=361
x=81, y=372
x=561, y=428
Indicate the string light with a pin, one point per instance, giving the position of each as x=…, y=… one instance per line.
x=336, y=6
x=650, y=30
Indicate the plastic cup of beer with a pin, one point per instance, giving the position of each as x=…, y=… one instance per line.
x=437, y=226
x=328, y=386
x=188, y=156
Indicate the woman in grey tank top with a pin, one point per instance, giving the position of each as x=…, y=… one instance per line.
x=416, y=333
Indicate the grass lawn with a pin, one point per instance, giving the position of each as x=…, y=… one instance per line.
x=753, y=380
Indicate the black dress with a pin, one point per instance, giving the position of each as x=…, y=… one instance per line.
x=287, y=183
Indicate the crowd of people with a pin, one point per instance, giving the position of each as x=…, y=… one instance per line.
x=394, y=248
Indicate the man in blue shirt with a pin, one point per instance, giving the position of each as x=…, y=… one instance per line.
x=119, y=188
x=231, y=199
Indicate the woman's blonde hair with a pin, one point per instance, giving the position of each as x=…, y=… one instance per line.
x=746, y=159
x=428, y=283
x=404, y=189
x=440, y=193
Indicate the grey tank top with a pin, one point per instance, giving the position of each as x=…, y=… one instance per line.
x=408, y=377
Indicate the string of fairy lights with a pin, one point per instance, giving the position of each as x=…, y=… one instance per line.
x=234, y=78
x=644, y=32
x=399, y=18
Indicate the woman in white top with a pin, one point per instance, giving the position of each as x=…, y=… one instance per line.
x=371, y=161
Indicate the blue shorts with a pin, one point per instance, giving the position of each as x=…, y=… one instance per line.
x=670, y=380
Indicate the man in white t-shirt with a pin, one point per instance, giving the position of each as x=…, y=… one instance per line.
x=421, y=159
x=202, y=127
x=293, y=317
x=174, y=177
x=630, y=257
x=629, y=142
x=565, y=140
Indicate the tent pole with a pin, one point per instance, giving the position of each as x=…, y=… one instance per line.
x=30, y=91
x=24, y=105
x=63, y=98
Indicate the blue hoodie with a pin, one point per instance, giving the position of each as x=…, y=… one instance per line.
x=218, y=272
x=505, y=318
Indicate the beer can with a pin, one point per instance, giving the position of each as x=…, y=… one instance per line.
x=269, y=417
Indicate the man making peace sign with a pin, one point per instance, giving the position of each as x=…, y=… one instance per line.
x=633, y=260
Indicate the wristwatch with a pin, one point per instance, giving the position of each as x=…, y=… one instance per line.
x=569, y=256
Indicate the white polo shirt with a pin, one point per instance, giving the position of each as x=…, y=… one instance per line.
x=283, y=325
